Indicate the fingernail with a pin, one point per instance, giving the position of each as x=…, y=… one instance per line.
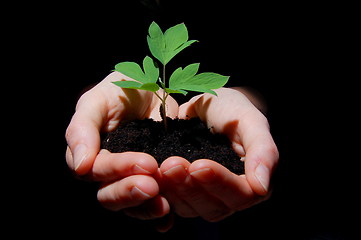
x=139, y=194
x=139, y=170
x=263, y=174
x=80, y=153
x=204, y=175
x=177, y=174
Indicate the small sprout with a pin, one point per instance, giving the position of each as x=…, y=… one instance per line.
x=163, y=47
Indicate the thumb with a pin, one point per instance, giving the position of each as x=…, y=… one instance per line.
x=101, y=108
x=83, y=141
x=261, y=157
x=82, y=136
x=260, y=161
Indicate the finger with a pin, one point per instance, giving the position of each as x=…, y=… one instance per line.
x=171, y=107
x=128, y=192
x=215, y=111
x=174, y=170
x=193, y=200
x=165, y=223
x=154, y=208
x=114, y=166
x=233, y=190
x=188, y=110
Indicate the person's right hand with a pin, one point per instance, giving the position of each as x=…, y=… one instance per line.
x=205, y=188
x=127, y=178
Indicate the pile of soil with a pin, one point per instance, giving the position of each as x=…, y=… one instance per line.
x=190, y=139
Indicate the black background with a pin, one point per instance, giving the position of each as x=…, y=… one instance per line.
x=298, y=56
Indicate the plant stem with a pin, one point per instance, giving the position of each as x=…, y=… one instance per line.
x=164, y=113
x=163, y=100
x=165, y=95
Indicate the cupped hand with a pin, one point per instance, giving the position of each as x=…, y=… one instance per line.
x=126, y=178
x=132, y=181
x=100, y=110
x=207, y=189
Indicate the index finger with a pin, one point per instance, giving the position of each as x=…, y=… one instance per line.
x=115, y=166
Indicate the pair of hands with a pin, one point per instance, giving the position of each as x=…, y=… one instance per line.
x=133, y=181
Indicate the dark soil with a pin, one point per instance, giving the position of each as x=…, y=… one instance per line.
x=190, y=139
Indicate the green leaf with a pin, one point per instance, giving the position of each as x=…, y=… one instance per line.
x=186, y=79
x=152, y=87
x=180, y=75
x=174, y=52
x=156, y=42
x=176, y=36
x=168, y=90
x=165, y=46
x=176, y=77
x=128, y=84
x=205, y=82
x=151, y=70
x=132, y=70
x=154, y=30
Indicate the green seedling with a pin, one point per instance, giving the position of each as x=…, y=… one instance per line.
x=165, y=46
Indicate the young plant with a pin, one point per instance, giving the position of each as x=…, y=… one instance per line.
x=164, y=46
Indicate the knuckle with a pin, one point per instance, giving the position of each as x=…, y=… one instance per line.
x=68, y=132
x=272, y=152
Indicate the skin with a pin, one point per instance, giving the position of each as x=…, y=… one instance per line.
x=134, y=183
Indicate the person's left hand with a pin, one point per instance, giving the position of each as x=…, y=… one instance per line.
x=126, y=179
